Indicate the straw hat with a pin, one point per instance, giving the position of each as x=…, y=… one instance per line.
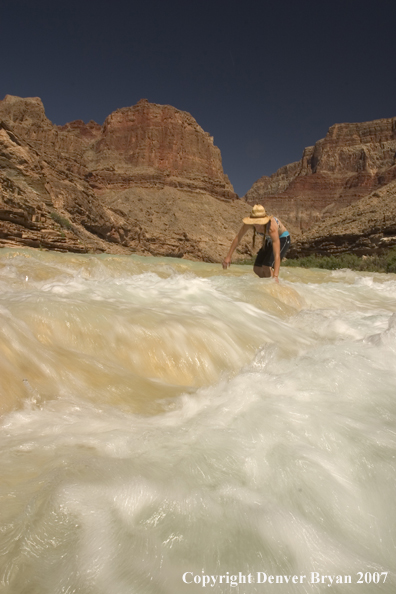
x=258, y=216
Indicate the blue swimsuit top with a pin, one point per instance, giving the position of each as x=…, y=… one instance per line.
x=268, y=236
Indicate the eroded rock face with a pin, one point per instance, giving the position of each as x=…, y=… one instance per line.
x=352, y=161
x=26, y=117
x=149, y=181
x=43, y=206
x=155, y=146
x=145, y=145
x=366, y=227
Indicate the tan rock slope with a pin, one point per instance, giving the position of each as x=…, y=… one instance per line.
x=149, y=181
x=352, y=161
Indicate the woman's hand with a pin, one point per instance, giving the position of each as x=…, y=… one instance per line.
x=226, y=262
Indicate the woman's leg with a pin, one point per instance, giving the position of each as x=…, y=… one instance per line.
x=262, y=271
x=265, y=254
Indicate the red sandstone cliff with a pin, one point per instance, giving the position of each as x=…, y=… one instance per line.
x=144, y=145
x=349, y=163
x=156, y=145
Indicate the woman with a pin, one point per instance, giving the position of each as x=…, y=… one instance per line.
x=276, y=242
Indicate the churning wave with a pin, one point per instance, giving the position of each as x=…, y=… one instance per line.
x=163, y=420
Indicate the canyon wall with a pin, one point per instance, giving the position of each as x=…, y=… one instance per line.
x=352, y=161
x=150, y=181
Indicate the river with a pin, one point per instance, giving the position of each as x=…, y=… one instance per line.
x=168, y=427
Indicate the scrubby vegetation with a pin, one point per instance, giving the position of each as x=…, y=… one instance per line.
x=62, y=221
x=376, y=263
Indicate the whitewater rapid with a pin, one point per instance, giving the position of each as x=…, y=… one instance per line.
x=165, y=423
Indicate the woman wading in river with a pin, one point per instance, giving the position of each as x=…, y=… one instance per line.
x=276, y=242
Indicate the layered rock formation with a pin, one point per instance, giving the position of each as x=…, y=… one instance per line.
x=366, y=227
x=352, y=161
x=44, y=206
x=149, y=180
x=156, y=146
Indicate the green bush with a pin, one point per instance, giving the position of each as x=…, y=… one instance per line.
x=377, y=263
x=391, y=262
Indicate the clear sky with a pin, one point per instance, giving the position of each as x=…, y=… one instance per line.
x=265, y=78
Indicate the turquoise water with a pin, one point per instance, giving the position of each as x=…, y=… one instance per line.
x=165, y=421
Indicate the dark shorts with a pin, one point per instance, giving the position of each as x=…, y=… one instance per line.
x=265, y=256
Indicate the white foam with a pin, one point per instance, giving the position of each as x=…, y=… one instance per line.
x=173, y=423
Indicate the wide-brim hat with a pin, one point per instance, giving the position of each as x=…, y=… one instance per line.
x=258, y=216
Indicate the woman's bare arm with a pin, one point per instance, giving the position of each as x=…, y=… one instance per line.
x=227, y=260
